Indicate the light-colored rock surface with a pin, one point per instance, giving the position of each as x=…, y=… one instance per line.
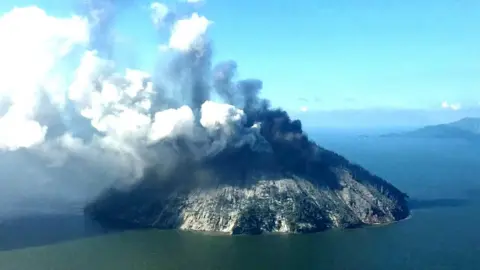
x=287, y=205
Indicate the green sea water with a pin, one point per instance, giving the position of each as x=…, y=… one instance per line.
x=442, y=177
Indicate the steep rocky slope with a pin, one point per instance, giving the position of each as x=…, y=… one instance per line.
x=285, y=185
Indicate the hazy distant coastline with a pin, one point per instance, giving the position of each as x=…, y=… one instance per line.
x=467, y=128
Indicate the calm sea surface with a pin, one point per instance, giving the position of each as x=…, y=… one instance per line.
x=442, y=177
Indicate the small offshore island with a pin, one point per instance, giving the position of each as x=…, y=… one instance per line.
x=281, y=183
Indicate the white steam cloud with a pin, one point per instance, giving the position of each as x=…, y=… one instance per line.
x=32, y=51
x=189, y=33
x=66, y=106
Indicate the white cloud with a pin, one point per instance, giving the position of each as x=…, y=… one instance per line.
x=34, y=52
x=217, y=116
x=189, y=33
x=159, y=13
x=117, y=104
x=304, y=108
x=451, y=106
x=172, y=122
x=32, y=45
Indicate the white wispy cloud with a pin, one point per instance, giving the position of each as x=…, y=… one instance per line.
x=159, y=13
x=451, y=106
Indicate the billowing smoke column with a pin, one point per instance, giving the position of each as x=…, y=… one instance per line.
x=74, y=124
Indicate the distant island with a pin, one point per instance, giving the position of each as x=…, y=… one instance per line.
x=466, y=128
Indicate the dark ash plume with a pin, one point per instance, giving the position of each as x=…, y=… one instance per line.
x=223, y=75
x=249, y=89
x=191, y=73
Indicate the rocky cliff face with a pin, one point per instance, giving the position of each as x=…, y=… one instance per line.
x=251, y=192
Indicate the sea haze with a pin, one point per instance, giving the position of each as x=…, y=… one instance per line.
x=440, y=175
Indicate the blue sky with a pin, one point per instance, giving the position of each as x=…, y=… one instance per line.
x=405, y=54
x=334, y=55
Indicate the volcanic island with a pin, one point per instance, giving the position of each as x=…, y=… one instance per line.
x=270, y=179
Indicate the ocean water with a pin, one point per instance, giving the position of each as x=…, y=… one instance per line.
x=442, y=178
